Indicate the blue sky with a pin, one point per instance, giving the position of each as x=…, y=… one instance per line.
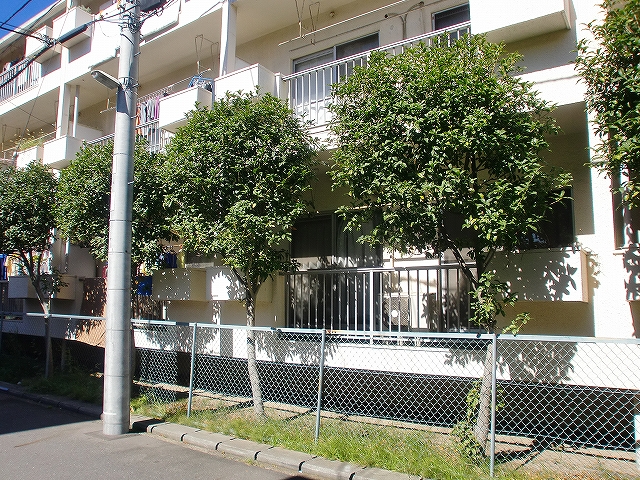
x=10, y=6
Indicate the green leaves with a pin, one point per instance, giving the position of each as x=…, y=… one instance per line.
x=27, y=198
x=82, y=210
x=609, y=68
x=236, y=176
x=444, y=142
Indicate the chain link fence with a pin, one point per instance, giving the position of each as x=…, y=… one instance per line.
x=76, y=340
x=565, y=405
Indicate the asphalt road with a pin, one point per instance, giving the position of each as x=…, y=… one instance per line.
x=42, y=442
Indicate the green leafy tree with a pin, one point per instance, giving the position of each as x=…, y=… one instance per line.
x=609, y=68
x=236, y=175
x=84, y=195
x=441, y=145
x=27, y=199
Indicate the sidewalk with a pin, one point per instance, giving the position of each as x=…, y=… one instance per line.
x=218, y=444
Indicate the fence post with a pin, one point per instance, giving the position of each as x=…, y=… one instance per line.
x=320, y=382
x=193, y=365
x=636, y=428
x=494, y=392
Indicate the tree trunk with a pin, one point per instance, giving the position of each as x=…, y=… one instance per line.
x=483, y=422
x=254, y=378
x=48, y=362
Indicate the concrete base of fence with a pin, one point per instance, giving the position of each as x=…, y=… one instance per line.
x=266, y=455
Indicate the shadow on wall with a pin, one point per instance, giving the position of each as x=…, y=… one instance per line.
x=546, y=274
x=631, y=259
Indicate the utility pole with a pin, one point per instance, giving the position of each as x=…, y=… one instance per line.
x=117, y=369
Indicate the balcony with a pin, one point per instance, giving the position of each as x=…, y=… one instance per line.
x=509, y=21
x=19, y=78
x=174, y=107
x=21, y=287
x=59, y=152
x=310, y=90
x=247, y=80
x=73, y=18
x=33, y=45
x=180, y=284
x=151, y=132
x=26, y=150
x=419, y=298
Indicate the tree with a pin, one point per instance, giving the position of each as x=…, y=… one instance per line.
x=236, y=175
x=441, y=144
x=609, y=69
x=84, y=196
x=27, y=199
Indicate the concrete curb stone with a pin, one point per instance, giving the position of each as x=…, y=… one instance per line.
x=261, y=453
x=172, y=431
x=245, y=449
x=332, y=469
x=282, y=457
x=204, y=439
x=83, y=408
x=372, y=473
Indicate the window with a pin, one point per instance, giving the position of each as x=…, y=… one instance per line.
x=556, y=229
x=450, y=17
x=311, y=92
x=321, y=242
x=329, y=291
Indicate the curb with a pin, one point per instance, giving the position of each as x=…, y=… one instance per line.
x=76, y=406
x=265, y=455
x=259, y=453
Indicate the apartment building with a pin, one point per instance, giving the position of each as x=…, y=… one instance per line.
x=580, y=281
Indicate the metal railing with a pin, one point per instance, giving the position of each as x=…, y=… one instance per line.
x=9, y=305
x=156, y=138
x=568, y=406
x=310, y=90
x=421, y=298
x=19, y=78
x=26, y=144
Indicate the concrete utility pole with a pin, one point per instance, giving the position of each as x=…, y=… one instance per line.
x=117, y=371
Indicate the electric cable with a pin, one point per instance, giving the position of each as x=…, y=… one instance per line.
x=16, y=12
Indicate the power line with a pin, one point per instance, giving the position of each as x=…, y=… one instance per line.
x=16, y=12
x=34, y=22
x=15, y=30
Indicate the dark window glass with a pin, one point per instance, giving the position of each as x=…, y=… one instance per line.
x=357, y=46
x=556, y=229
x=450, y=17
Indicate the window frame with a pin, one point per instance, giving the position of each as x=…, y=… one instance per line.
x=460, y=7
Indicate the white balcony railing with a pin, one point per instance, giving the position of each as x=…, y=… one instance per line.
x=19, y=78
x=155, y=137
x=310, y=90
x=427, y=298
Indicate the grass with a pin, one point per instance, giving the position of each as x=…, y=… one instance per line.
x=76, y=384
x=14, y=369
x=392, y=447
x=405, y=450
